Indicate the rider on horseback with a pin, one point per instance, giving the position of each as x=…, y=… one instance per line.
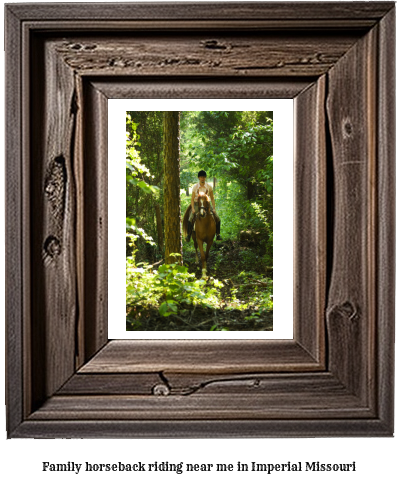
x=204, y=188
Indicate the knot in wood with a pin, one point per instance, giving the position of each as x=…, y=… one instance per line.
x=90, y=47
x=347, y=128
x=213, y=44
x=161, y=390
x=52, y=246
x=349, y=310
x=55, y=181
x=50, y=189
x=346, y=310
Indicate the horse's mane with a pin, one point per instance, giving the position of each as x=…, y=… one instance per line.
x=185, y=220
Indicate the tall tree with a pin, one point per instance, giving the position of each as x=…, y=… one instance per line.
x=172, y=214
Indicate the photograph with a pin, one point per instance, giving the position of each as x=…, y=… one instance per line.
x=199, y=221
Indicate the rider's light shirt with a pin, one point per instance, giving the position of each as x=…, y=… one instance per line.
x=206, y=189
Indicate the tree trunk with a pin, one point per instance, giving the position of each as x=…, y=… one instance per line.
x=172, y=214
x=159, y=227
x=251, y=190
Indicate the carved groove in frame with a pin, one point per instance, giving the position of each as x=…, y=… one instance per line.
x=313, y=385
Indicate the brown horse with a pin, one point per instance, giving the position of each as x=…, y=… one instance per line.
x=204, y=229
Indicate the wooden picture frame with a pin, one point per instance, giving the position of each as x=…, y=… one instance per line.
x=335, y=378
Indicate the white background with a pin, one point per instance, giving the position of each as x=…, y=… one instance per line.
x=376, y=458
x=282, y=214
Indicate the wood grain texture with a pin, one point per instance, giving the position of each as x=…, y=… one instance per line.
x=53, y=213
x=15, y=207
x=64, y=62
x=385, y=261
x=194, y=87
x=200, y=356
x=242, y=55
x=269, y=396
x=281, y=11
x=125, y=384
x=209, y=407
x=250, y=428
x=95, y=231
x=184, y=384
x=316, y=26
x=78, y=175
x=310, y=201
x=351, y=307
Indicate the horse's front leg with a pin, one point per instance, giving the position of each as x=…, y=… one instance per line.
x=208, y=248
x=203, y=258
x=195, y=246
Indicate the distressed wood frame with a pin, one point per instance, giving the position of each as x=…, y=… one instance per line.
x=64, y=378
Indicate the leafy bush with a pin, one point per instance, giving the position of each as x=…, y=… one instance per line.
x=169, y=288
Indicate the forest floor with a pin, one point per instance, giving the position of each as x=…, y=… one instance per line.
x=240, y=271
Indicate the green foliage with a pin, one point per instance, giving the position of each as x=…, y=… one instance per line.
x=132, y=235
x=237, y=149
x=138, y=178
x=232, y=208
x=135, y=171
x=169, y=287
x=234, y=144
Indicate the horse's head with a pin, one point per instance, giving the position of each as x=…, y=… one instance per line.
x=203, y=204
